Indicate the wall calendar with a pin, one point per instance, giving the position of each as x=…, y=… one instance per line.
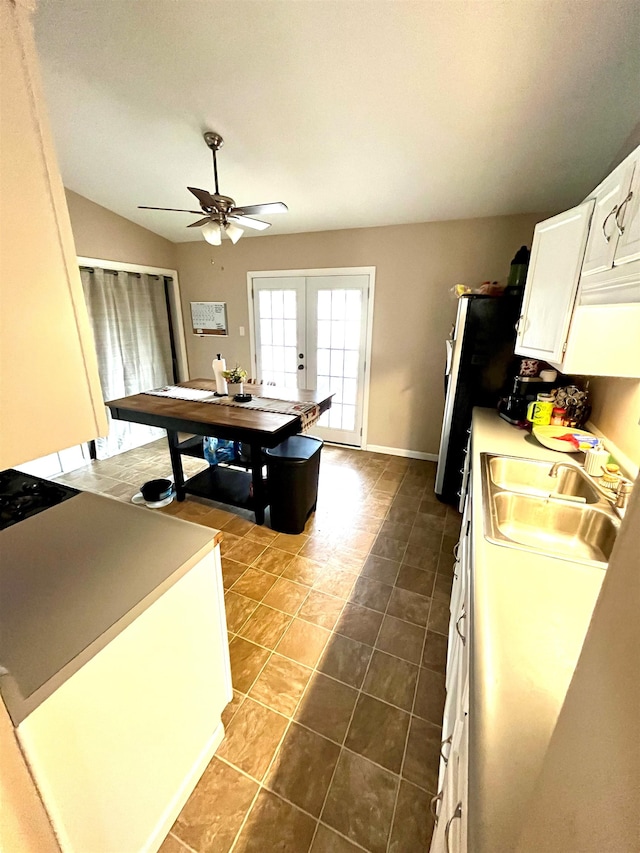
x=209, y=318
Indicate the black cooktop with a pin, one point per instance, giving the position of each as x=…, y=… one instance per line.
x=23, y=495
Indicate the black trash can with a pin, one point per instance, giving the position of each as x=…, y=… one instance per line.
x=292, y=475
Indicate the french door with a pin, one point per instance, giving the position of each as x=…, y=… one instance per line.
x=310, y=331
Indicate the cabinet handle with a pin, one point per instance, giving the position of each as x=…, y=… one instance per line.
x=619, y=213
x=462, y=616
x=606, y=236
x=443, y=743
x=456, y=815
x=456, y=549
x=433, y=806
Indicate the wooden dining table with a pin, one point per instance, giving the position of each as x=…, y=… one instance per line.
x=258, y=429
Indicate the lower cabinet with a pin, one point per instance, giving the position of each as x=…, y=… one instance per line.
x=449, y=806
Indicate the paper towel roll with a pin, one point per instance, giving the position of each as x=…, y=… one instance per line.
x=219, y=364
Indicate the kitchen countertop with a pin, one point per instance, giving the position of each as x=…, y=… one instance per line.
x=72, y=578
x=530, y=614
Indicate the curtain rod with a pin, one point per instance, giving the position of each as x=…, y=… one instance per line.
x=135, y=274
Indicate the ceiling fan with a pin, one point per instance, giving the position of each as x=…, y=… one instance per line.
x=222, y=215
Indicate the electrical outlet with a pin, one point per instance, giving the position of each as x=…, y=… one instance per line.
x=242, y=331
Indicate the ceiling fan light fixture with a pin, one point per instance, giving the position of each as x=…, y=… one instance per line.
x=234, y=233
x=212, y=233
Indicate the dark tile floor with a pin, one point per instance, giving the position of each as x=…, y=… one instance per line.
x=338, y=644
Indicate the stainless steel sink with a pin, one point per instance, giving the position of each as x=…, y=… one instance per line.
x=568, y=530
x=531, y=477
x=521, y=511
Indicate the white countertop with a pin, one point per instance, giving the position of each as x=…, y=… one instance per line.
x=530, y=614
x=72, y=578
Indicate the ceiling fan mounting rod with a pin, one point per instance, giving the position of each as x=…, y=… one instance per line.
x=215, y=143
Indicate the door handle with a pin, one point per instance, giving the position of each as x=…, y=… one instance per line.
x=619, y=224
x=301, y=367
x=614, y=210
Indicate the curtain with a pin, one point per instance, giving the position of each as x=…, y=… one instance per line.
x=128, y=313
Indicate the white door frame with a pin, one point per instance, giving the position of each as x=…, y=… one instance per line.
x=175, y=301
x=310, y=273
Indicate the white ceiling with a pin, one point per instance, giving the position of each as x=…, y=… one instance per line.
x=353, y=112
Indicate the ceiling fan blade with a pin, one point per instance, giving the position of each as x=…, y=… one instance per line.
x=204, y=197
x=175, y=209
x=200, y=222
x=256, y=224
x=265, y=209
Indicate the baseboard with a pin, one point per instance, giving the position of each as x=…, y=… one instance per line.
x=399, y=451
x=192, y=778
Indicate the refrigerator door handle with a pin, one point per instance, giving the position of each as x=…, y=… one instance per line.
x=449, y=345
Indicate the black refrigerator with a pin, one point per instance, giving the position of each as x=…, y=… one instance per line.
x=480, y=363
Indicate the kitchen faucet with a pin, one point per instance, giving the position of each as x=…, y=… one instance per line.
x=618, y=499
x=557, y=465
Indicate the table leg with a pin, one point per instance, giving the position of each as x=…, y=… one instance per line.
x=259, y=483
x=176, y=464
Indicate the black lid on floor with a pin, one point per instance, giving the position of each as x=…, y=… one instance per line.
x=298, y=447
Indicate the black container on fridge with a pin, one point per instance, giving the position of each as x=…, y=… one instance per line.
x=479, y=369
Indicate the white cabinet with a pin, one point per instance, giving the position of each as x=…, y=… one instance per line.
x=49, y=385
x=581, y=307
x=628, y=220
x=552, y=281
x=614, y=238
x=450, y=804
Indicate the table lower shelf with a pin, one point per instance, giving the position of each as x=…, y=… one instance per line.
x=226, y=485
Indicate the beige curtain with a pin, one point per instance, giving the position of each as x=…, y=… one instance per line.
x=128, y=313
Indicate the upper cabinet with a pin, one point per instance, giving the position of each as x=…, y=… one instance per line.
x=49, y=386
x=581, y=307
x=552, y=282
x=609, y=236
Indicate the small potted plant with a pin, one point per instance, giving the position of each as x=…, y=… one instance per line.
x=235, y=380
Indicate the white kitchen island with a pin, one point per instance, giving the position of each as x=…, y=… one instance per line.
x=116, y=666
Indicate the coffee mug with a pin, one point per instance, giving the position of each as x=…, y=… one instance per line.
x=539, y=412
x=529, y=367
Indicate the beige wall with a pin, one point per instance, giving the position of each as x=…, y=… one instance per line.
x=416, y=265
x=616, y=412
x=99, y=233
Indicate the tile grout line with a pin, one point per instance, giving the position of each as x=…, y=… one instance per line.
x=261, y=785
x=406, y=740
x=348, y=727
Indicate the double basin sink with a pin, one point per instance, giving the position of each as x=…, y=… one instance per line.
x=562, y=516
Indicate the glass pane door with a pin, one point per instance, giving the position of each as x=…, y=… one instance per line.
x=279, y=309
x=310, y=332
x=336, y=335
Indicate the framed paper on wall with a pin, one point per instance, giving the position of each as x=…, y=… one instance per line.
x=209, y=318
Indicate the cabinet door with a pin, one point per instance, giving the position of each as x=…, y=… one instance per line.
x=449, y=835
x=628, y=221
x=554, y=272
x=603, y=236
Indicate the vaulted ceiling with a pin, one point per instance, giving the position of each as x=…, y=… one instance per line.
x=353, y=112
